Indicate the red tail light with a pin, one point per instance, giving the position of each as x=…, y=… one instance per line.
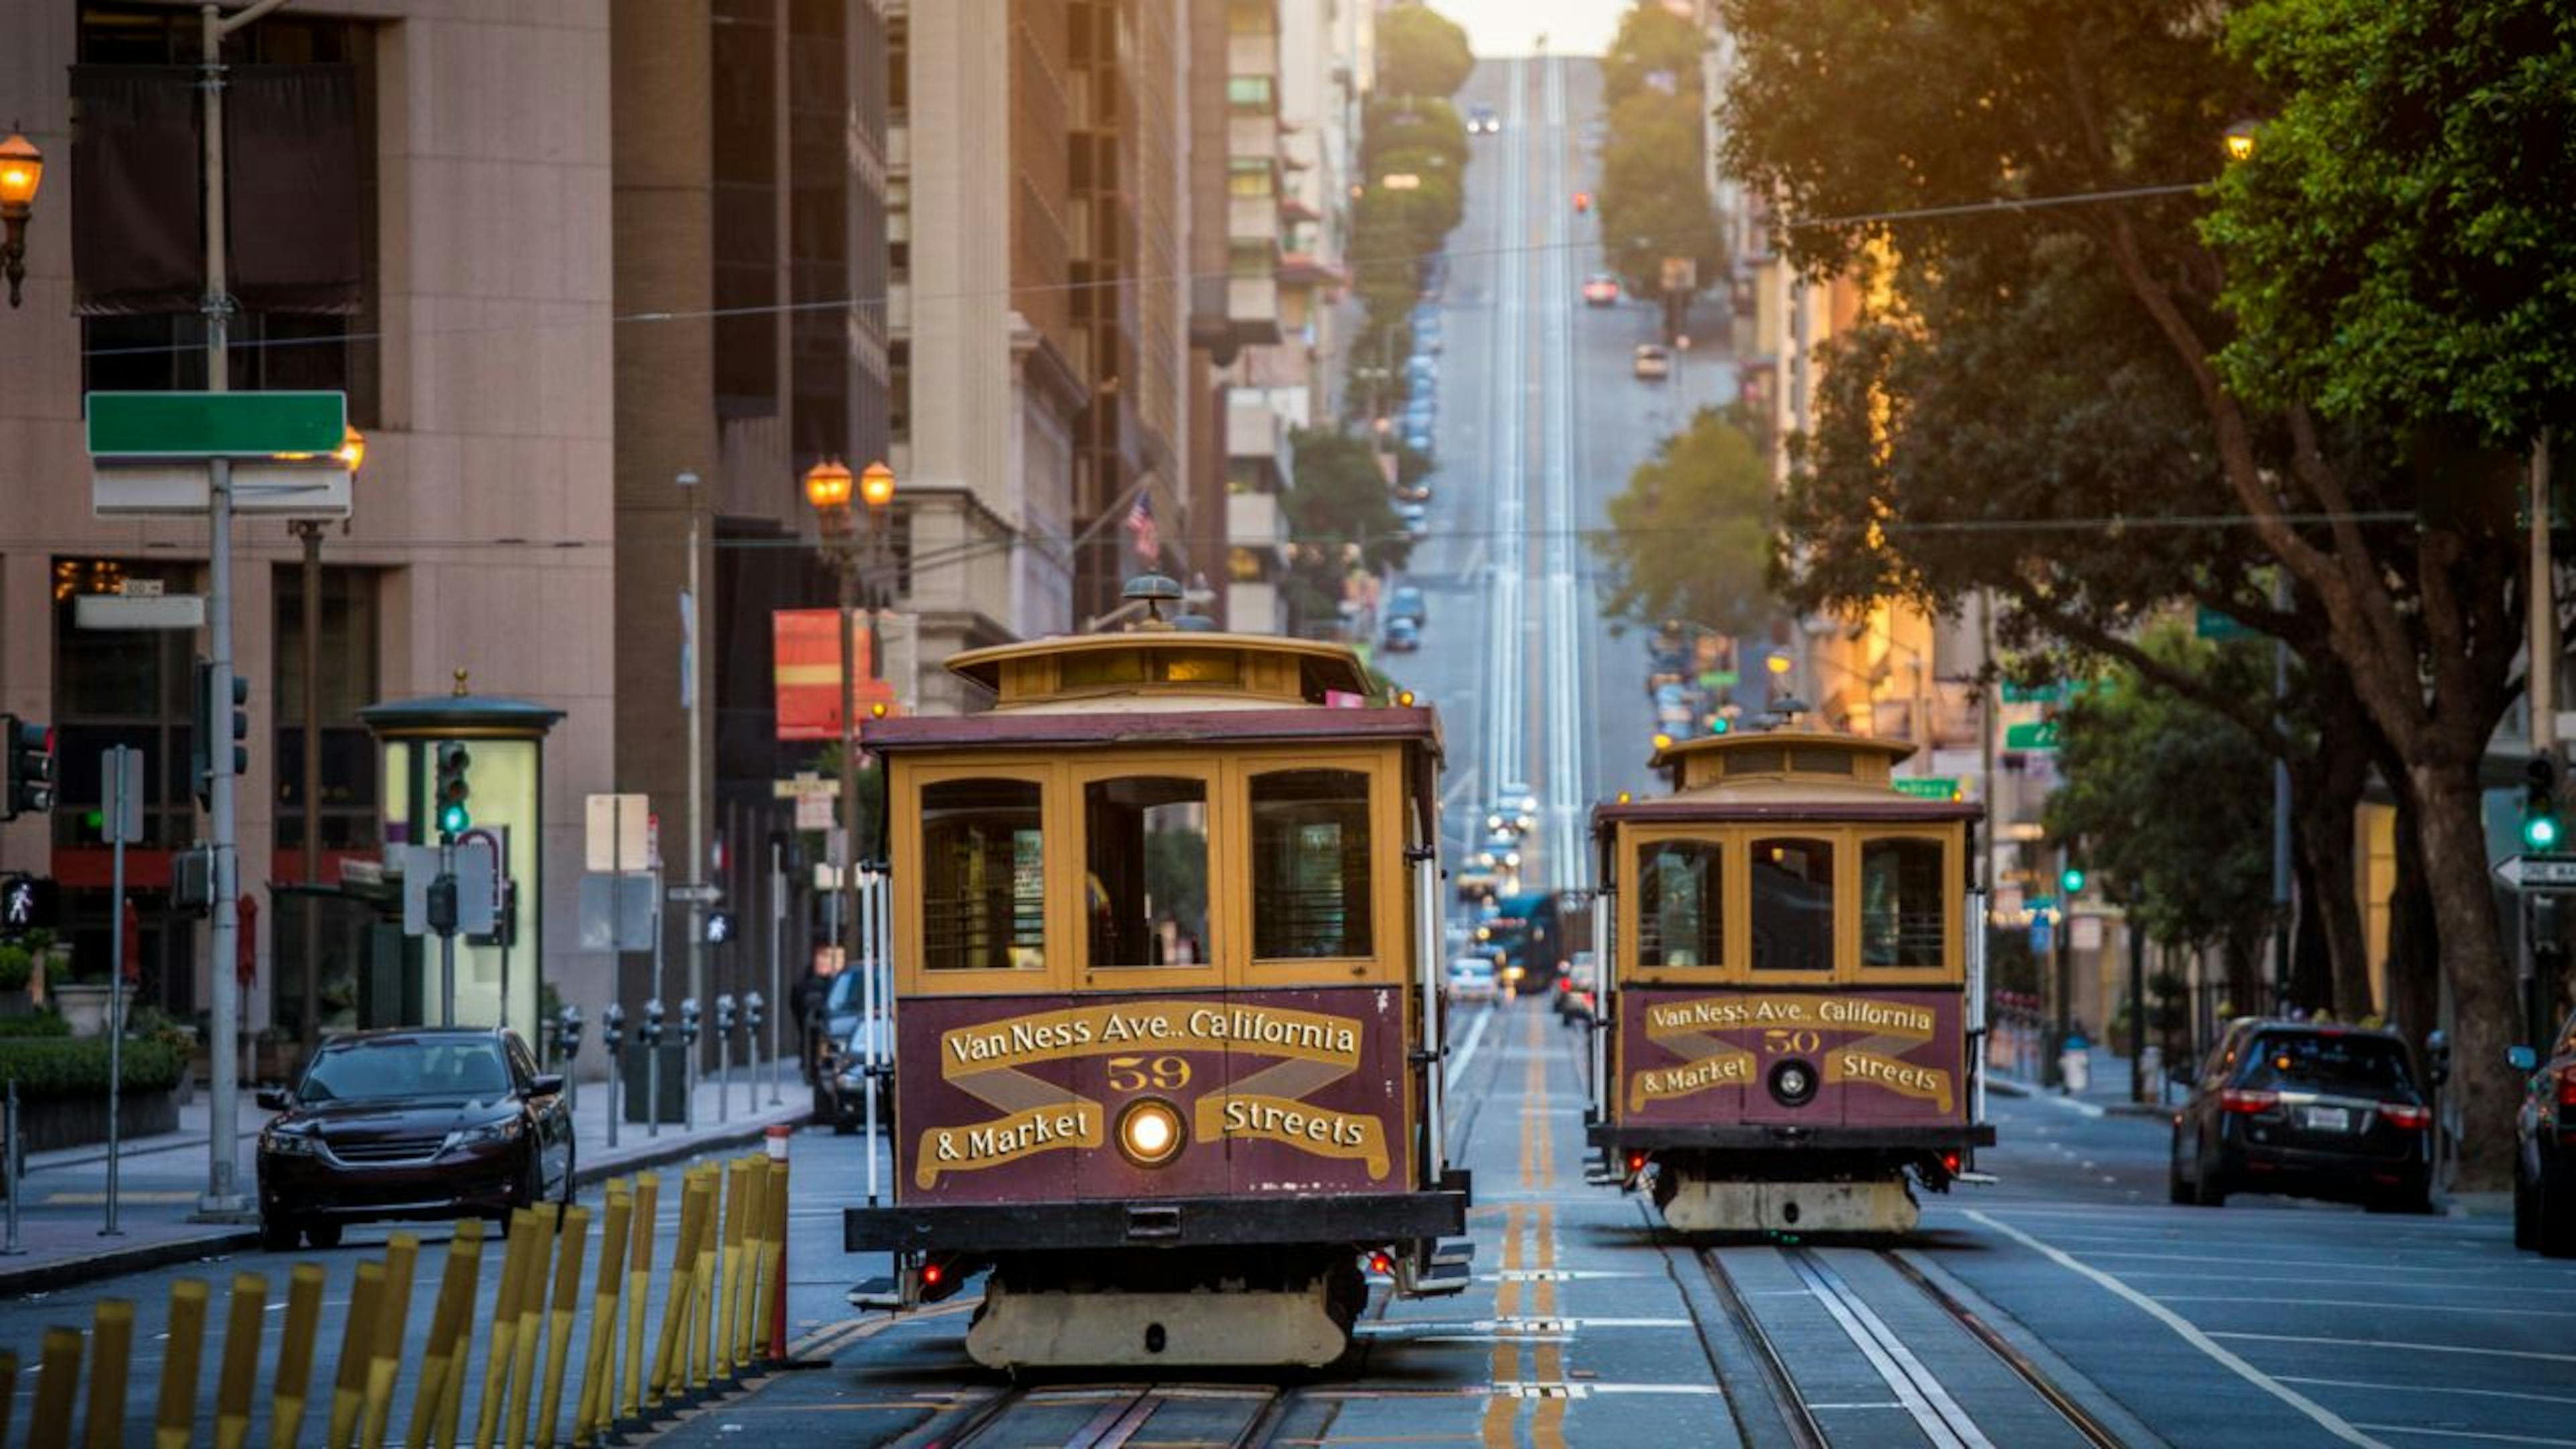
x=1636, y=1163
x=1950, y=1163
x=1382, y=1264
x=2567, y=1087
x=931, y=1273
x=2406, y=1115
x=2237, y=1099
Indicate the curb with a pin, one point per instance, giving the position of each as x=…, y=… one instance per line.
x=223, y=1242
x=2014, y=1087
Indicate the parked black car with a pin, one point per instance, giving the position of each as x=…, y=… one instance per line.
x=2306, y=1109
x=2544, y=1159
x=411, y=1124
x=841, y=1087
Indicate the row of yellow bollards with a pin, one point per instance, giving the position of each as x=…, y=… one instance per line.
x=716, y=1324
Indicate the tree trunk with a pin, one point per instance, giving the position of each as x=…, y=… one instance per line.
x=2414, y=949
x=2453, y=833
x=2332, y=896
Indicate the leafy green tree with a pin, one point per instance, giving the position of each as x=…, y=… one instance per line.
x=1652, y=40
x=2397, y=246
x=1655, y=201
x=2401, y=552
x=1690, y=534
x=2198, y=878
x=1340, y=520
x=1420, y=52
x=1410, y=123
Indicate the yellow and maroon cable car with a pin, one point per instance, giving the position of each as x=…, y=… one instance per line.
x=1796, y=992
x=1166, y=1012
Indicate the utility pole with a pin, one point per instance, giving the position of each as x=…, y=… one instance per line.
x=222, y=1200
x=693, y=653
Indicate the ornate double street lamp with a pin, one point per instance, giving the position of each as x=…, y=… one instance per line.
x=860, y=554
x=22, y=170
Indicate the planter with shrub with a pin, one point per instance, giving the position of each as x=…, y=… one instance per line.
x=62, y=1088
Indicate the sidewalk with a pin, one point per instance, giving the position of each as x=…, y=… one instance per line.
x=2107, y=1094
x=160, y=1178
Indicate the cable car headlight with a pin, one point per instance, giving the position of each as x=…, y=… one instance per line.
x=1149, y=1132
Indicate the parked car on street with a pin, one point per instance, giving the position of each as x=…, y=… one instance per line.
x=1414, y=490
x=1600, y=290
x=1415, y=517
x=1402, y=636
x=1404, y=601
x=1654, y=361
x=2544, y=1159
x=841, y=1088
x=411, y=1124
x=2306, y=1109
x=1471, y=978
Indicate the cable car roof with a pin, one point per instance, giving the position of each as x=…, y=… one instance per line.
x=1785, y=774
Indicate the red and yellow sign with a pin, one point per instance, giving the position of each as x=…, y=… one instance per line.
x=806, y=644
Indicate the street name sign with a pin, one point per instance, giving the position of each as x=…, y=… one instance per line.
x=215, y=424
x=695, y=895
x=2551, y=873
x=2036, y=735
x=138, y=611
x=1928, y=787
x=177, y=487
x=797, y=787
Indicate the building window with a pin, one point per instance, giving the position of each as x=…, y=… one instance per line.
x=983, y=882
x=1248, y=93
x=267, y=351
x=1249, y=177
x=1251, y=260
x=1793, y=904
x=346, y=673
x=1145, y=881
x=1310, y=864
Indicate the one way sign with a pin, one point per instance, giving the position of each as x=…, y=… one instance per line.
x=2550, y=873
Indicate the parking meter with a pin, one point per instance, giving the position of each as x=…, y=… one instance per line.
x=650, y=1031
x=725, y=1015
x=2437, y=1058
x=612, y=1028
x=751, y=1005
x=567, y=1033
x=688, y=1021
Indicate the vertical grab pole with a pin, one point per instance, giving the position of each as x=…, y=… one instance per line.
x=1602, y=1011
x=1976, y=943
x=871, y=914
x=1427, y=968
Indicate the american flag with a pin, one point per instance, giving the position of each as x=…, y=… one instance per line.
x=1140, y=522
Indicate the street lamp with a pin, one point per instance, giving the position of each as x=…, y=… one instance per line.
x=352, y=454
x=2240, y=141
x=828, y=485
x=22, y=170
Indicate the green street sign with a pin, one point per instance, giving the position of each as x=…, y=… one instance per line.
x=215, y=424
x=1716, y=679
x=1928, y=787
x=2037, y=735
x=2208, y=623
x=2049, y=693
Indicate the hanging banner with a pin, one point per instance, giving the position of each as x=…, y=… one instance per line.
x=806, y=646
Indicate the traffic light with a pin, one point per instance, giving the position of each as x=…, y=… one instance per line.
x=453, y=761
x=2072, y=879
x=26, y=767
x=2540, y=804
x=205, y=729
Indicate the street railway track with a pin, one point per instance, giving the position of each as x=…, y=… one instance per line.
x=1111, y=1416
x=1931, y=1398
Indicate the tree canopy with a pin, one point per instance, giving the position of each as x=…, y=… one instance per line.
x=1652, y=40
x=1655, y=201
x=1689, y=534
x=1339, y=519
x=1420, y=52
x=2397, y=246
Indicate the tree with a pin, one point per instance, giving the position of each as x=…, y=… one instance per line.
x=1420, y=52
x=1655, y=201
x=2128, y=749
x=1653, y=41
x=1339, y=520
x=1690, y=533
x=2408, y=553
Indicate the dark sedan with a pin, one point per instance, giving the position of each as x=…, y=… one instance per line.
x=2306, y=1109
x=2544, y=1164
x=411, y=1124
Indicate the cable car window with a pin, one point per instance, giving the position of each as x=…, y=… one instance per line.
x=1681, y=893
x=1793, y=904
x=1310, y=864
x=983, y=876
x=1145, y=882
x=1904, y=912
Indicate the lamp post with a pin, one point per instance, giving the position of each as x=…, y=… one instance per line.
x=308, y=531
x=22, y=170
x=853, y=551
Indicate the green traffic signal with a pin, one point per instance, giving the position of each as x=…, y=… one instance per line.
x=2540, y=832
x=2540, y=804
x=453, y=818
x=2072, y=878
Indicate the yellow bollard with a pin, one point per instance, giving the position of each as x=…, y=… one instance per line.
x=460, y=1363
x=675, y=1301
x=385, y=1345
x=639, y=1278
x=111, y=1358
x=239, y=1377
x=446, y=1321
x=729, y=1267
x=357, y=1351
x=568, y=1259
x=505, y=1326
x=702, y=1296
x=173, y=1425
x=746, y=1296
x=769, y=1308
x=599, y=1368
x=532, y=1318
x=57, y=1379
x=293, y=1389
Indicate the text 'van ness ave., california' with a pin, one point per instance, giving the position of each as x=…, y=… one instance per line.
x=1843, y=1013
x=1162, y=1026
